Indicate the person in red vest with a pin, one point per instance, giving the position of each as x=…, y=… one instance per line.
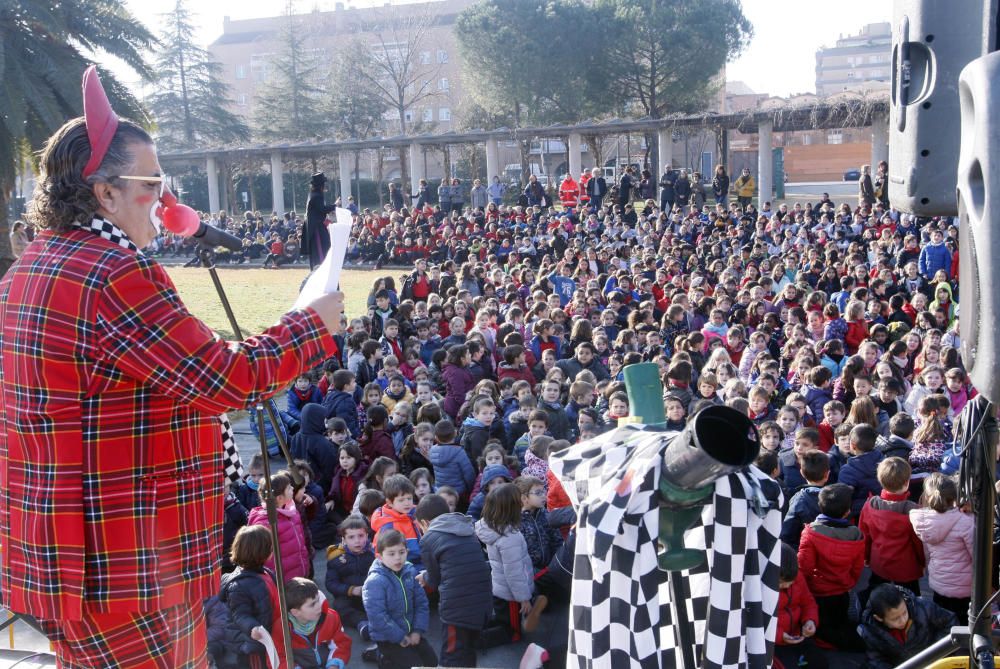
x=569, y=192
x=110, y=394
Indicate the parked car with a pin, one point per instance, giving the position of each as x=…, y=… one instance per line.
x=852, y=175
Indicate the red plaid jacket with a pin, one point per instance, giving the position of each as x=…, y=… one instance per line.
x=110, y=451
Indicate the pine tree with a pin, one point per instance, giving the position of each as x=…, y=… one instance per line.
x=290, y=105
x=191, y=102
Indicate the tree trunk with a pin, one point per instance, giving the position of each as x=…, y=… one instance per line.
x=357, y=179
x=446, y=150
x=524, y=151
x=596, y=144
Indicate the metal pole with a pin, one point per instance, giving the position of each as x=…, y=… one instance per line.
x=267, y=495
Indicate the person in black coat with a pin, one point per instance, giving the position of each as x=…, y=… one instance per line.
x=454, y=564
x=667, y=180
x=234, y=517
x=924, y=622
x=224, y=638
x=316, y=240
x=247, y=592
x=310, y=444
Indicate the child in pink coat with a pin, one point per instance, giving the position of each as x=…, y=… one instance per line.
x=947, y=534
x=292, y=545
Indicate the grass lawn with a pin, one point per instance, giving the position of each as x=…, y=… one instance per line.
x=260, y=296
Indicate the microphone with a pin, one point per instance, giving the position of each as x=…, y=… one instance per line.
x=183, y=220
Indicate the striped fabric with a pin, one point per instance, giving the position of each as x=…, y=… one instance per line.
x=170, y=639
x=110, y=451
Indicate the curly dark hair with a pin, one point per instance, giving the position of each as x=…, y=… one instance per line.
x=63, y=195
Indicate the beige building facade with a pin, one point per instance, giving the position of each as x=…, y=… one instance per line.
x=855, y=61
x=247, y=48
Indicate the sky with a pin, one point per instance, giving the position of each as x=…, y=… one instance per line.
x=780, y=61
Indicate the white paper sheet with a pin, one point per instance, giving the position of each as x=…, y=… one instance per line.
x=272, y=651
x=326, y=278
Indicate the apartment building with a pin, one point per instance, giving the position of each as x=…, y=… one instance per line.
x=856, y=61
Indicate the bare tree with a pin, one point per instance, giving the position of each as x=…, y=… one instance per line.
x=403, y=68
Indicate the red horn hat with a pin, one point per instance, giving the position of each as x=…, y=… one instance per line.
x=101, y=120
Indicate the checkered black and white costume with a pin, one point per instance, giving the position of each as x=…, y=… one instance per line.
x=621, y=605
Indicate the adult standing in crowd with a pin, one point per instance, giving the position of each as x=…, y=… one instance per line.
x=316, y=240
x=720, y=184
x=110, y=392
x=667, y=180
x=478, y=196
x=597, y=188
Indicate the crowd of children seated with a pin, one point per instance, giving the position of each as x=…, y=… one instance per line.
x=424, y=445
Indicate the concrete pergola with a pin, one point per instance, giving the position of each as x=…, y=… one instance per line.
x=850, y=112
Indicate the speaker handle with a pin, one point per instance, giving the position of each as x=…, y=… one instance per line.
x=903, y=73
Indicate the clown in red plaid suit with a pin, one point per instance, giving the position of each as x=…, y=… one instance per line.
x=110, y=449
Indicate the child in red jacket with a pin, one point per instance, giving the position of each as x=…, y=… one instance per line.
x=831, y=557
x=892, y=549
x=797, y=616
x=318, y=638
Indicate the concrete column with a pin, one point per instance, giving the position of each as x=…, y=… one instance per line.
x=665, y=148
x=880, y=140
x=575, y=155
x=213, y=184
x=764, y=162
x=344, y=167
x=493, y=167
x=277, y=184
x=416, y=167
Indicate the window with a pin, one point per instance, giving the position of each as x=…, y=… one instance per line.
x=408, y=115
x=835, y=138
x=259, y=66
x=807, y=140
x=425, y=57
x=241, y=71
x=443, y=84
x=428, y=115
x=442, y=56
x=444, y=114
x=241, y=99
x=850, y=75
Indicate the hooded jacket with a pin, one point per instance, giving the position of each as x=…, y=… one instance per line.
x=802, y=510
x=949, y=306
x=948, y=539
x=310, y=444
x=892, y=548
x=379, y=444
x=475, y=435
x=452, y=467
x=831, y=558
x=490, y=474
x=509, y=562
x=339, y=404
x=455, y=565
x=292, y=545
x=385, y=517
x=395, y=603
x=816, y=399
x=796, y=605
x=859, y=473
x=929, y=622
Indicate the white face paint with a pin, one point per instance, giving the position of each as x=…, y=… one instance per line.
x=157, y=208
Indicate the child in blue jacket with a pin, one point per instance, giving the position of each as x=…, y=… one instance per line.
x=398, y=611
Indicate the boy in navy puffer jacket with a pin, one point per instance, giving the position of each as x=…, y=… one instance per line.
x=347, y=566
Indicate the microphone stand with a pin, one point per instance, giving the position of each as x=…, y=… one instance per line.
x=266, y=493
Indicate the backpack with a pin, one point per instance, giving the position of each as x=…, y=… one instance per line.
x=273, y=447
